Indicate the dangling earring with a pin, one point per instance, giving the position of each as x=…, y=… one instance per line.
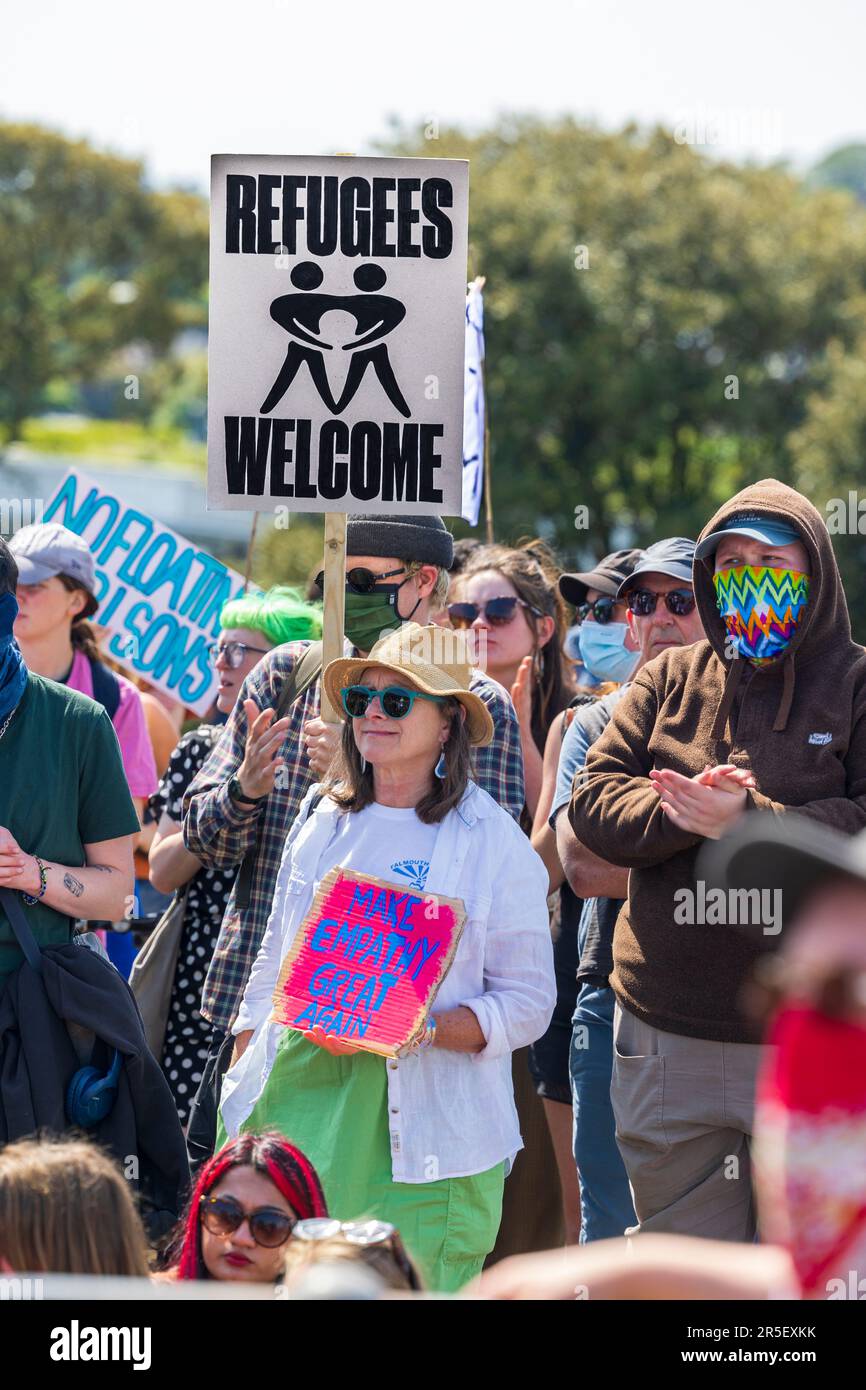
x=363, y=764
x=440, y=769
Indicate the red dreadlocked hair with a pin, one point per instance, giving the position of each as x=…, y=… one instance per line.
x=274, y=1157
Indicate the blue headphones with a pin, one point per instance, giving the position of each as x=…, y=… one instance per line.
x=91, y=1094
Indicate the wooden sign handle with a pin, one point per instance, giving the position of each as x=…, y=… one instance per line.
x=334, y=608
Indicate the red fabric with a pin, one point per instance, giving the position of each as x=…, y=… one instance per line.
x=810, y=1142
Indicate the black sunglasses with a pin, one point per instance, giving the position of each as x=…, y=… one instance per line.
x=643, y=602
x=396, y=700
x=269, y=1226
x=497, y=611
x=360, y=580
x=233, y=652
x=601, y=610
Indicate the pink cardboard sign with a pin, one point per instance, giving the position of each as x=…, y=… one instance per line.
x=367, y=961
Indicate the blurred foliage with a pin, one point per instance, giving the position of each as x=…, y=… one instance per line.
x=91, y=261
x=842, y=168
x=123, y=441
x=662, y=327
x=288, y=555
x=177, y=388
x=607, y=384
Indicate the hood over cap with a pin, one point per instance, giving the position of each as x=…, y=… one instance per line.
x=824, y=621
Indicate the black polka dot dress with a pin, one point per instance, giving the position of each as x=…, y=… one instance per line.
x=187, y=1034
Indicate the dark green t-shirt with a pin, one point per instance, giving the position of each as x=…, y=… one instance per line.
x=62, y=786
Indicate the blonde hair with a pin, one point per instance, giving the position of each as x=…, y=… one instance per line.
x=439, y=592
x=302, y=1254
x=65, y=1209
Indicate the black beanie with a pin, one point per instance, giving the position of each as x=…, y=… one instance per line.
x=422, y=538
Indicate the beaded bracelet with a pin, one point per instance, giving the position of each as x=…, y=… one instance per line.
x=43, y=883
x=411, y=1049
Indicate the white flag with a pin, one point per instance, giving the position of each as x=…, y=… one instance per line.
x=473, y=408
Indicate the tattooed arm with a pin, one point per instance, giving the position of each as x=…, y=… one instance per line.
x=100, y=890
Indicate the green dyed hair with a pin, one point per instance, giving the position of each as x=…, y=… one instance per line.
x=281, y=614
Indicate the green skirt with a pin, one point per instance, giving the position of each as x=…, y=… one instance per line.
x=335, y=1109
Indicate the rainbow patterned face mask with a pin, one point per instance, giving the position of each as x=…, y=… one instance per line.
x=761, y=608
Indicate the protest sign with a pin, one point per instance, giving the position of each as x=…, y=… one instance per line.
x=336, y=341
x=159, y=595
x=367, y=961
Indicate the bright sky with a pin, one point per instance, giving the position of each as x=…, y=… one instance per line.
x=175, y=80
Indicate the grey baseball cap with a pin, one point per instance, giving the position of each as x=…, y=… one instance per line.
x=673, y=556
x=46, y=549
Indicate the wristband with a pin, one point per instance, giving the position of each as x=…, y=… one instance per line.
x=236, y=793
x=43, y=883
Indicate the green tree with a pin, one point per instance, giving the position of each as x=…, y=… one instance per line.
x=828, y=451
x=656, y=321
x=91, y=260
x=842, y=168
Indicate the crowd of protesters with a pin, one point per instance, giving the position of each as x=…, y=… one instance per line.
x=625, y=1077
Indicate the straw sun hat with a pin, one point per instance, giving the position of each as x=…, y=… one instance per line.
x=434, y=659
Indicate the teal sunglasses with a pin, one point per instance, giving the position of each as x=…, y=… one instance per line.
x=395, y=700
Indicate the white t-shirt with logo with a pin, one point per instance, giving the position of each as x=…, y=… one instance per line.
x=389, y=842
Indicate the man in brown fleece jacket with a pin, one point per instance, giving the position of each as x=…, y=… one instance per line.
x=769, y=713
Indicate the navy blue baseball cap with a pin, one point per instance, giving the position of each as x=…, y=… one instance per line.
x=674, y=556
x=757, y=528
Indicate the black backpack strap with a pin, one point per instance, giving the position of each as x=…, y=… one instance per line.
x=303, y=674
x=106, y=687
x=21, y=927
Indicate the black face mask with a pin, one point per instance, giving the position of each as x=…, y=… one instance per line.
x=371, y=616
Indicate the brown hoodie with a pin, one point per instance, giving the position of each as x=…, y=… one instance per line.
x=798, y=724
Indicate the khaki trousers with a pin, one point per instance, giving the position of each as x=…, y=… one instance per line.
x=684, y=1109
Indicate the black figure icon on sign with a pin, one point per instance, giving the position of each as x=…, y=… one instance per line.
x=301, y=314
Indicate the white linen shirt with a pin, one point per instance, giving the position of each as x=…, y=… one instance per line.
x=451, y=1114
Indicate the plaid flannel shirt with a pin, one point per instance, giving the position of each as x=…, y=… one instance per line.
x=219, y=832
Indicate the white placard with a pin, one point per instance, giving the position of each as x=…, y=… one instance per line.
x=337, y=334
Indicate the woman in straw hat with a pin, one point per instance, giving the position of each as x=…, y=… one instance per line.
x=422, y=1140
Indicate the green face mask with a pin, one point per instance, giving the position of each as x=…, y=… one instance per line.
x=369, y=616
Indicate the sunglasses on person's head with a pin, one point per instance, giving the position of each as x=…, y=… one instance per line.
x=364, y=1233
x=497, y=611
x=602, y=610
x=643, y=602
x=360, y=580
x=269, y=1226
x=232, y=652
x=396, y=700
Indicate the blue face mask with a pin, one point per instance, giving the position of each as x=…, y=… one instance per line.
x=604, y=653
x=13, y=672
